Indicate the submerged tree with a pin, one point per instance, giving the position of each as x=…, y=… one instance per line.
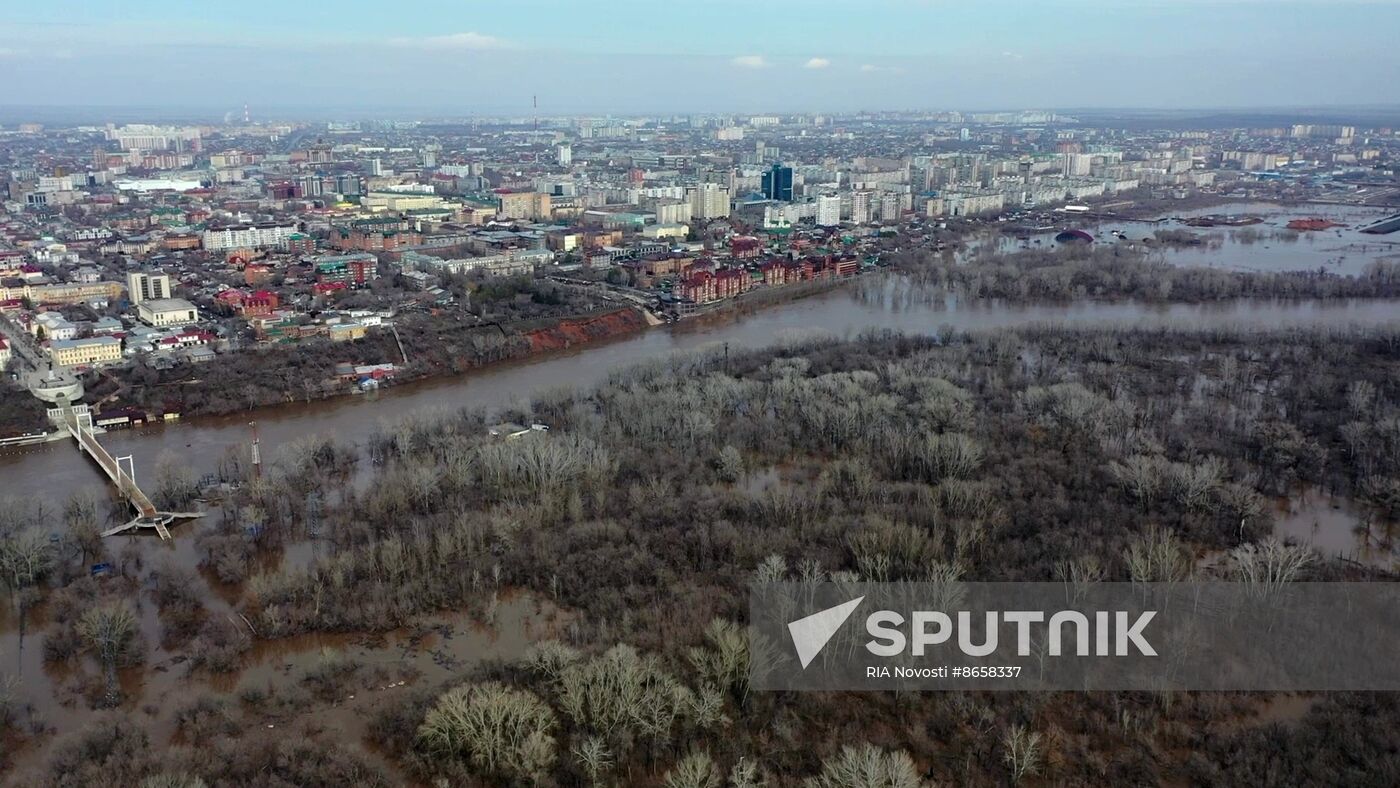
x=867, y=766
x=173, y=781
x=695, y=770
x=1021, y=752
x=1269, y=566
x=1158, y=556
x=110, y=633
x=497, y=731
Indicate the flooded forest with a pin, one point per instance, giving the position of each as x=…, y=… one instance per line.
x=436, y=604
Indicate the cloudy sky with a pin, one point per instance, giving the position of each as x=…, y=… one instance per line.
x=473, y=56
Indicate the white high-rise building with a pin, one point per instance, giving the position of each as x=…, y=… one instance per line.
x=246, y=236
x=565, y=155
x=709, y=201
x=1078, y=164
x=890, y=207
x=860, y=207
x=142, y=137
x=141, y=286
x=828, y=210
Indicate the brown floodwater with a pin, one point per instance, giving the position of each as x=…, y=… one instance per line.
x=1337, y=527
x=1268, y=246
x=54, y=470
x=435, y=652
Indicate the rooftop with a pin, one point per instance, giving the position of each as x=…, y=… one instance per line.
x=166, y=304
x=61, y=344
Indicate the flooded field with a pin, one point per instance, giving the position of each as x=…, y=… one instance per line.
x=1268, y=246
x=338, y=679
x=1337, y=527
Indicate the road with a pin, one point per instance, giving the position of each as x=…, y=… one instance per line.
x=607, y=291
x=23, y=346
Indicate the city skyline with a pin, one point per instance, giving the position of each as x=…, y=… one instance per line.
x=719, y=56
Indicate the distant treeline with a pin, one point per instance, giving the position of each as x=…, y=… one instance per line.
x=1073, y=271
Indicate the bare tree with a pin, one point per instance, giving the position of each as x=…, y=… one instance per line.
x=1157, y=556
x=730, y=464
x=1140, y=475
x=173, y=781
x=867, y=766
x=1079, y=574
x=593, y=757
x=495, y=729
x=110, y=632
x=695, y=770
x=1269, y=566
x=1021, y=751
x=745, y=774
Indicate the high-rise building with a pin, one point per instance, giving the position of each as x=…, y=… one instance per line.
x=142, y=137
x=828, y=210
x=247, y=236
x=347, y=184
x=777, y=183
x=860, y=207
x=709, y=201
x=536, y=206
x=564, y=155
x=142, y=286
x=1078, y=164
x=891, y=205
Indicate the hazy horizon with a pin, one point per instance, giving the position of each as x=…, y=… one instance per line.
x=718, y=56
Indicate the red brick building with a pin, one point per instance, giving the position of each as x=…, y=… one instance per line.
x=260, y=303
x=730, y=282
x=702, y=286
x=775, y=273
x=745, y=246
x=698, y=287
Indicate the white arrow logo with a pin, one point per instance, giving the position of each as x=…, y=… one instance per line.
x=810, y=634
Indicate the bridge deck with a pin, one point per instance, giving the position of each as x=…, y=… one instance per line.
x=125, y=485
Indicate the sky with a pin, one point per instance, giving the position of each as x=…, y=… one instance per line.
x=463, y=57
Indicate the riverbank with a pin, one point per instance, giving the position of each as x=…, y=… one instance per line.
x=243, y=382
x=202, y=443
x=538, y=340
x=570, y=332
x=755, y=300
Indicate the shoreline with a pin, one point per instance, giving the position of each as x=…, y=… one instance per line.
x=732, y=310
x=541, y=351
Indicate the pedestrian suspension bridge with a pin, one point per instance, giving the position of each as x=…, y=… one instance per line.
x=80, y=426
